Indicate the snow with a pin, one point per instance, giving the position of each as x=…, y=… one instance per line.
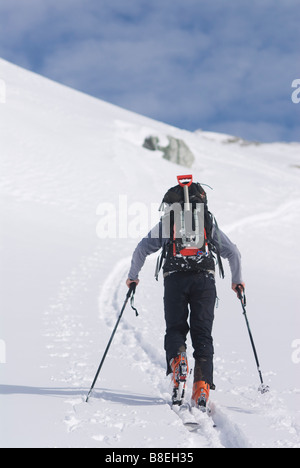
x=65, y=157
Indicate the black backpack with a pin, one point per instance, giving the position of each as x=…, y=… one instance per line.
x=190, y=223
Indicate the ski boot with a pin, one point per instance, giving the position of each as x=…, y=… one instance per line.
x=179, y=366
x=200, y=395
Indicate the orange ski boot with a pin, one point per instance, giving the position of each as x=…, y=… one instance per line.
x=180, y=368
x=200, y=394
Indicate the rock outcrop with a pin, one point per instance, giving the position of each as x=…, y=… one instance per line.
x=177, y=150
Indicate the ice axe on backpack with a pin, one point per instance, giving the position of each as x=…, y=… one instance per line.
x=185, y=181
x=241, y=295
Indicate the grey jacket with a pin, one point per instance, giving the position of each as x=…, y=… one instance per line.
x=154, y=242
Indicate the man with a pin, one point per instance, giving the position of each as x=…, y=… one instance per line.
x=189, y=289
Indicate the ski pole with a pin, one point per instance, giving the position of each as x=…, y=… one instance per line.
x=241, y=295
x=129, y=295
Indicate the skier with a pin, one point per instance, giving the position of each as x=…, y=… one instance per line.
x=189, y=280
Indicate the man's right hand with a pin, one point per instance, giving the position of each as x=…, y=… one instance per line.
x=240, y=287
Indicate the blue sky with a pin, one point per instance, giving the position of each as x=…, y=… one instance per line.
x=219, y=65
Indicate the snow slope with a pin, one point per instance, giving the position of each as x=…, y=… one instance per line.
x=64, y=156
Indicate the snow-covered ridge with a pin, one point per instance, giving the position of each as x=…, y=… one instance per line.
x=62, y=154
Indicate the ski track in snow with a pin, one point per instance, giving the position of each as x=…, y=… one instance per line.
x=153, y=363
x=68, y=347
x=286, y=209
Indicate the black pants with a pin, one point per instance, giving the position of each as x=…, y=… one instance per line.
x=197, y=291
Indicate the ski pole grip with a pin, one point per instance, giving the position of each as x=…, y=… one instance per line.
x=241, y=293
x=131, y=290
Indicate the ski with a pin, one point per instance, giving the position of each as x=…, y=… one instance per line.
x=203, y=415
x=185, y=414
x=193, y=418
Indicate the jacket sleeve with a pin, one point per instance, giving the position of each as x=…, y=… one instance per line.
x=148, y=245
x=229, y=251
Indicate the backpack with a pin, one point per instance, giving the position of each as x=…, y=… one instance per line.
x=189, y=225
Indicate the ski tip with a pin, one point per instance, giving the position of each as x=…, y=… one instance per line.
x=192, y=426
